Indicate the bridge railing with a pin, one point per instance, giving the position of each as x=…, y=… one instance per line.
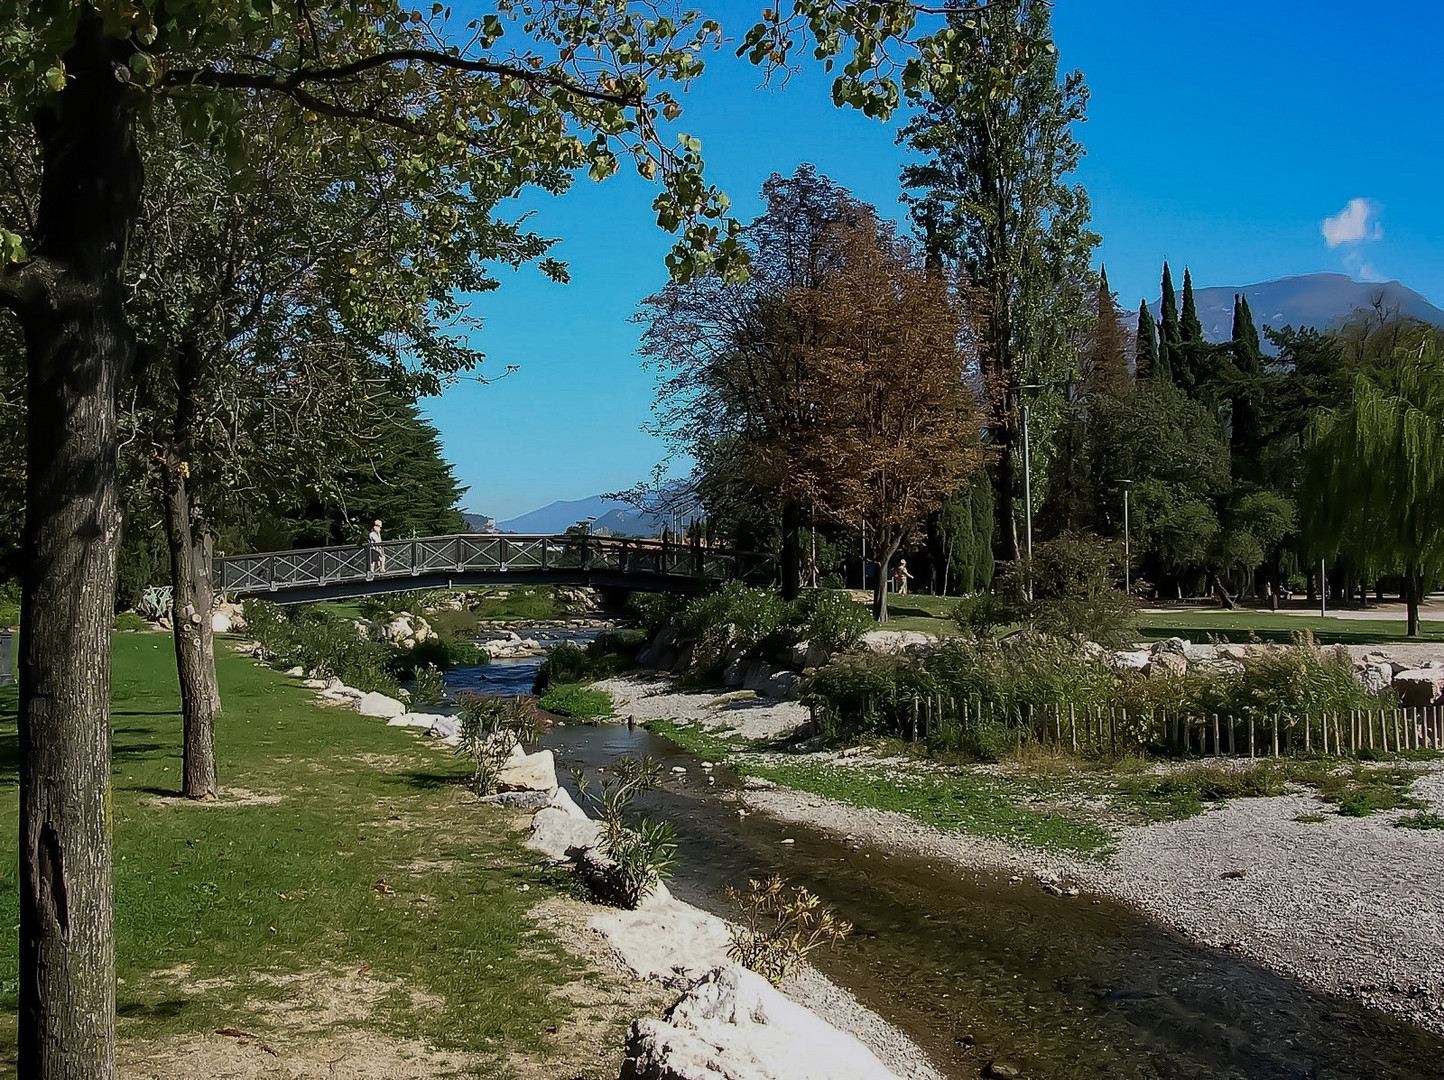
x=484, y=553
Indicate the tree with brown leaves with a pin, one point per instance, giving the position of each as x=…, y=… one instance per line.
x=895, y=427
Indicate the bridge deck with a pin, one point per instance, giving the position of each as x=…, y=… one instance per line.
x=471, y=559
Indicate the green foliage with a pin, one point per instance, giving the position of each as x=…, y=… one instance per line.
x=640, y=854
x=606, y=655
x=1078, y=594
x=1182, y=793
x=10, y=603
x=429, y=687
x=440, y=653
x=519, y=603
x=833, y=621
x=777, y=927
x=1420, y=821
x=578, y=701
x=1295, y=681
x=318, y=639
x=129, y=620
x=490, y=727
x=656, y=611
x=754, y=615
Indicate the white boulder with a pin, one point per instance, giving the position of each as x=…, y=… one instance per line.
x=556, y=833
x=1129, y=660
x=413, y=720
x=530, y=772
x=375, y=704
x=1419, y=687
x=665, y=940
x=563, y=800
x=892, y=642
x=733, y=1025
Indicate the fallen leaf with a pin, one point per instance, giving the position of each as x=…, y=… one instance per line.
x=364, y=969
x=235, y=1033
x=383, y=888
x=269, y=1050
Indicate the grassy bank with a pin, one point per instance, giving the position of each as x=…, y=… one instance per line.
x=1045, y=799
x=932, y=615
x=344, y=882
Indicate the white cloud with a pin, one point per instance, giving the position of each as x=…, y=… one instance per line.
x=1362, y=269
x=1357, y=222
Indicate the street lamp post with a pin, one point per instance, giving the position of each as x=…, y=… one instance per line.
x=1127, y=553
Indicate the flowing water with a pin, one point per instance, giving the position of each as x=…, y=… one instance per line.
x=976, y=968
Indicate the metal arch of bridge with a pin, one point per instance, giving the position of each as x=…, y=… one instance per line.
x=337, y=573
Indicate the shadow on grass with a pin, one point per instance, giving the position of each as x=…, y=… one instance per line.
x=168, y=1009
x=428, y=781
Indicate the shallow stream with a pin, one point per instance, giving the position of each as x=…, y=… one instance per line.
x=976, y=968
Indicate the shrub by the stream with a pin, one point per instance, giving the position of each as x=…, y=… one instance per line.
x=490, y=726
x=606, y=655
x=316, y=638
x=441, y=653
x=636, y=856
x=753, y=615
x=430, y=686
x=657, y=611
x=778, y=926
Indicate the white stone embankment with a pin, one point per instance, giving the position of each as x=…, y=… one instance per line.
x=1351, y=906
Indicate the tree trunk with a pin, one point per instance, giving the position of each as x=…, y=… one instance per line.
x=70, y=302
x=191, y=597
x=791, y=550
x=188, y=616
x=1413, y=589
x=879, y=591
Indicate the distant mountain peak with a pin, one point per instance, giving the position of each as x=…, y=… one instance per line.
x=1318, y=300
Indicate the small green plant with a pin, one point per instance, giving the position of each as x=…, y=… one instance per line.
x=1420, y=821
x=129, y=620
x=608, y=655
x=1311, y=819
x=430, y=686
x=491, y=726
x=316, y=638
x=638, y=856
x=778, y=926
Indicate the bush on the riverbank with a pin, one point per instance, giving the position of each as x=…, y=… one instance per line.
x=981, y=696
x=315, y=638
x=577, y=701
x=490, y=726
x=442, y=653
x=606, y=655
x=637, y=855
x=778, y=925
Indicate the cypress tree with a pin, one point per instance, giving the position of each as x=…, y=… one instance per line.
x=1246, y=399
x=1168, y=335
x=1188, y=359
x=1145, y=358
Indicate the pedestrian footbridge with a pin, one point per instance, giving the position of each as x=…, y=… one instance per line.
x=475, y=559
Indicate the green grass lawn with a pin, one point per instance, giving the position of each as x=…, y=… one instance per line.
x=343, y=849
x=932, y=615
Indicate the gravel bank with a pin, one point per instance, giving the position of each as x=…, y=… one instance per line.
x=644, y=697
x=1352, y=906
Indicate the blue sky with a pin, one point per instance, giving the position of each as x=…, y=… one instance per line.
x=1220, y=136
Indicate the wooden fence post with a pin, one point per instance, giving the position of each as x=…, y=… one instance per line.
x=1276, y=734
x=1217, y=742
x=1251, y=732
x=1308, y=735
x=1073, y=727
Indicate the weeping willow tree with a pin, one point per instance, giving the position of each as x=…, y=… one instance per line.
x=1374, y=487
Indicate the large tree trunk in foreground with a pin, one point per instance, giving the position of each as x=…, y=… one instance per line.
x=70, y=303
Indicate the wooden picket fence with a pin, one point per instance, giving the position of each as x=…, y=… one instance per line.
x=1108, y=731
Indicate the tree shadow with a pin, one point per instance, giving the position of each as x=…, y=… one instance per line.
x=427, y=781
x=168, y=1009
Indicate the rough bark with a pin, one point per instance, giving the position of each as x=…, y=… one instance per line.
x=191, y=598
x=70, y=303
x=188, y=618
x=884, y=569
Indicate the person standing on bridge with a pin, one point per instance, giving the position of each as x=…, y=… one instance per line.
x=375, y=556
